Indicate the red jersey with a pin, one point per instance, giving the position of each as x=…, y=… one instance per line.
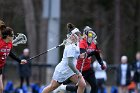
x=92, y=47
x=4, y=51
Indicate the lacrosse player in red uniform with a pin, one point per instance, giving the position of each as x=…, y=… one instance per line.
x=6, y=38
x=88, y=45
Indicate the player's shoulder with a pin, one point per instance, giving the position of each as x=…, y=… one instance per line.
x=82, y=41
x=94, y=43
x=10, y=44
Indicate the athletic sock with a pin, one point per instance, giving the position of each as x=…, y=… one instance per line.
x=71, y=88
x=63, y=87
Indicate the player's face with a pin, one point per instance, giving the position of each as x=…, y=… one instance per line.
x=77, y=37
x=138, y=56
x=89, y=37
x=11, y=36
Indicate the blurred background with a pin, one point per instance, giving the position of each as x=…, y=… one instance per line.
x=116, y=23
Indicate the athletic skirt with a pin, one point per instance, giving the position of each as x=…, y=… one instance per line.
x=61, y=73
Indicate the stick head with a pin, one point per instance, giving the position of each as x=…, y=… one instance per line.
x=20, y=39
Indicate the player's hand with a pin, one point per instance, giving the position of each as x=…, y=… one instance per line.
x=23, y=61
x=103, y=67
x=79, y=78
x=80, y=75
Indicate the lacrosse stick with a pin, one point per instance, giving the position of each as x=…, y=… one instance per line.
x=20, y=39
x=64, y=42
x=81, y=71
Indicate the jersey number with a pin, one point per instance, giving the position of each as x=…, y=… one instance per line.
x=5, y=55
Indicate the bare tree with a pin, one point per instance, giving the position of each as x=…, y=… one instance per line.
x=117, y=32
x=136, y=26
x=43, y=45
x=30, y=25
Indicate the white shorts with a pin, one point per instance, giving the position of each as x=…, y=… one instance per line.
x=61, y=75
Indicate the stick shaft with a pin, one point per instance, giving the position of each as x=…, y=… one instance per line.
x=81, y=71
x=44, y=52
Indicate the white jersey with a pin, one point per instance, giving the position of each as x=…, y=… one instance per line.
x=123, y=72
x=62, y=70
x=99, y=73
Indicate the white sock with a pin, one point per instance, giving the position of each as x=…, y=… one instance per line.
x=63, y=87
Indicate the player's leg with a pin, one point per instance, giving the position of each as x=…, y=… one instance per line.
x=100, y=84
x=1, y=83
x=21, y=81
x=89, y=76
x=67, y=86
x=28, y=81
x=81, y=84
x=53, y=85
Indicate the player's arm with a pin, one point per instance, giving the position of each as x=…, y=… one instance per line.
x=99, y=59
x=13, y=56
x=97, y=55
x=71, y=65
x=70, y=57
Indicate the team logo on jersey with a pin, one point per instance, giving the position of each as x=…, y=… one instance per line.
x=4, y=50
x=89, y=50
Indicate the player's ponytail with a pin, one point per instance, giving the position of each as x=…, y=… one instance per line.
x=7, y=32
x=70, y=27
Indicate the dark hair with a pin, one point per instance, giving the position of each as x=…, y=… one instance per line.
x=7, y=32
x=70, y=27
x=2, y=25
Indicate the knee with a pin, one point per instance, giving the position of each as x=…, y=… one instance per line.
x=52, y=87
x=1, y=89
x=48, y=89
x=82, y=84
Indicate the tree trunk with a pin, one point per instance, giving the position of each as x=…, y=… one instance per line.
x=43, y=47
x=117, y=32
x=136, y=26
x=31, y=31
x=30, y=26
x=43, y=36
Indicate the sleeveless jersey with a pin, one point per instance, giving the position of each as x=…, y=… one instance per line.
x=4, y=51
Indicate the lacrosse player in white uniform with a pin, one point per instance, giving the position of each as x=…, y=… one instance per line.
x=66, y=69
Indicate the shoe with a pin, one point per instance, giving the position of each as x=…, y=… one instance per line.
x=60, y=88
